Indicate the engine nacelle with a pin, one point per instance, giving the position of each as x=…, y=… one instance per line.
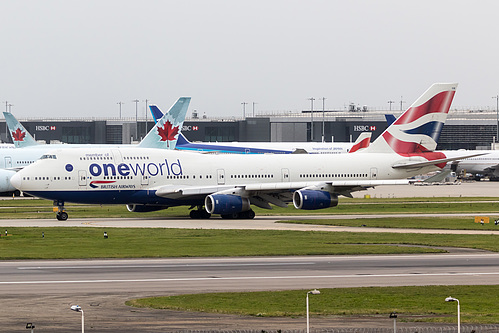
x=310, y=200
x=144, y=208
x=226, y=204
x=5, y=185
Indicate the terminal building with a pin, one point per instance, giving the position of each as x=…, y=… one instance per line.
x=464, y=129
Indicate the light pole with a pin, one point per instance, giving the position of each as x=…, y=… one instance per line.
x=254, y=109
x=452, y=299
x=323, y=121
x=146, y=113
x=311, y=99
x=313, y=292
x=401, y=102
x=244, y=109
x=497, y=118
x=391, y=102
x=394, y=316
x=120, y=103
x=136, y=101
x=78, y=308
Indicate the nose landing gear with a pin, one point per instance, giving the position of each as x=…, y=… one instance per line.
x=61, y=215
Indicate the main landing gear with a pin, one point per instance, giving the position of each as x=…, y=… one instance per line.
x=61, y=215
x=199, y=213
x=247, y=215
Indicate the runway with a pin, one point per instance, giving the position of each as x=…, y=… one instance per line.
x=42, y=291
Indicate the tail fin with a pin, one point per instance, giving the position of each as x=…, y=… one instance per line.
x=418, y=128
x=168, y=127
x=362, y=142
x=156, y=113
x=390, y=119
x=20, y=136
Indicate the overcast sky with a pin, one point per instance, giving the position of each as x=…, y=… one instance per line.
x=79, y=58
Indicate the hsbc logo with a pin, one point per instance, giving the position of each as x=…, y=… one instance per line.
x=186, y=128
x=44, y=128
x=364, y=128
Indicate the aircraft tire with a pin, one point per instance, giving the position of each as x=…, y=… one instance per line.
x=62, y=216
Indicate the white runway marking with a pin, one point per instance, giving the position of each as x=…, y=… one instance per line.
x=363, y=276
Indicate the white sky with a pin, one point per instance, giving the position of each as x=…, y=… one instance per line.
x=79, y=58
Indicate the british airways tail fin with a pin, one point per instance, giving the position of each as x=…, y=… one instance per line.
x=417, y=130
x=362, y=142
x=20, y=136
x=165, y=132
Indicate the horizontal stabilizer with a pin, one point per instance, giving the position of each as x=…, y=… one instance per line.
x=420, y=164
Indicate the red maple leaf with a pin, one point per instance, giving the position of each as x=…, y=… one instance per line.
x=18, y=135
x=167, y=132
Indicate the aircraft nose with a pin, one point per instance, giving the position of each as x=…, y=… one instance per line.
x=16, y=181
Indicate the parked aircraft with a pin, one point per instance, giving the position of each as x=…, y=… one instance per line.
x=183, y=143
x=163, y=135
x=152, y=179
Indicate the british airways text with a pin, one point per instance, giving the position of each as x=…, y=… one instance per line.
x=151, y=169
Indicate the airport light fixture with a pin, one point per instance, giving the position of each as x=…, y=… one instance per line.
x=30, y=326
x=311, y=99
x=393, y=315
x=497, y=118
x=452, y=299
x=78, y=308
x=313, y=292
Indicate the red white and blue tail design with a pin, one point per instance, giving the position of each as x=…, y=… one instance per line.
x=417, y=130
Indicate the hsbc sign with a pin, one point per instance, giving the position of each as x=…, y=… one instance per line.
x=364, y=128
x=189, y=128
x=44, y=128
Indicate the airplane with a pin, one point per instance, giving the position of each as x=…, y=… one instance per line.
x=28, y=150
x=183, y=143
x=485, y=165
x=151, y=179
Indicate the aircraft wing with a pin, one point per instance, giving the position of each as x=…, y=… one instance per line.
x=261, y=194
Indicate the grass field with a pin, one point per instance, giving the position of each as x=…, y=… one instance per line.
x=452, y=223
x=427, y=303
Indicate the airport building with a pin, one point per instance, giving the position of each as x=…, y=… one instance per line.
x=464, y=129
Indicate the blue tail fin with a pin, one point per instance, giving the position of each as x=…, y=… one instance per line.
x=156, y=113
x=20, y=136
x=165, y=133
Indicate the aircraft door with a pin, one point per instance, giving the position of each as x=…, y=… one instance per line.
x=221, y=177
x=82, y=178
x=374, y=173
x=117, y=156
x=285, y=175
x=145, y=180
x=8, y=162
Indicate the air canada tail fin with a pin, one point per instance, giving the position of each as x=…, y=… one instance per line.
x=165, y=132
x=417, y=130
x=363, y=141
x=20, y=136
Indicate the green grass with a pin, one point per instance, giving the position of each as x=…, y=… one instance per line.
x=59, y=243
x=478, y=303
x=452, y=223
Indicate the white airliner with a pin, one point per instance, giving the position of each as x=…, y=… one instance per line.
x=153, y=179
x=12, y=160
x=485, y=165
x=363, y=141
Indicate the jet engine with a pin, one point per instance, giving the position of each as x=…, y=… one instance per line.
x=226, y=204
x=310, y=199
x=5, y=185
x=144, y=208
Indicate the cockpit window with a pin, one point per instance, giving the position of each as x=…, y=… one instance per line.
x=48, y=156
